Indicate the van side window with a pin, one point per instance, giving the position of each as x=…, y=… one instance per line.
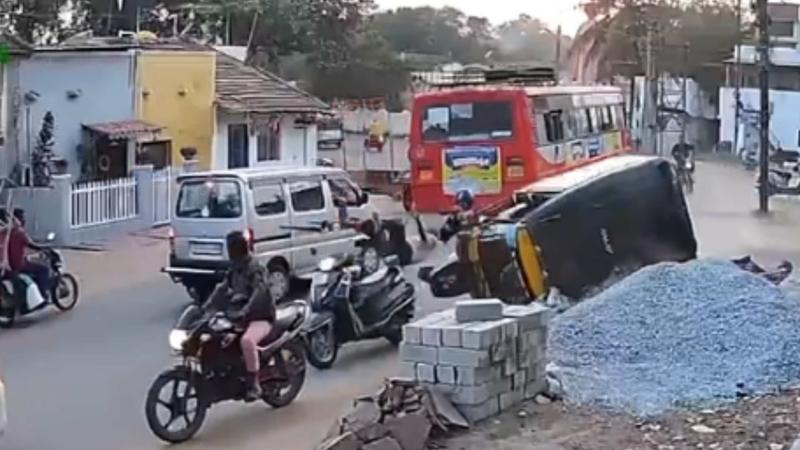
x=343, y=189
x=269, y=200
x=307, y=196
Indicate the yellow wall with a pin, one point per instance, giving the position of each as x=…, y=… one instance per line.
x=188, y=118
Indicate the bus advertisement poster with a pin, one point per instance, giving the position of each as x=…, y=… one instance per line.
x=474, y=168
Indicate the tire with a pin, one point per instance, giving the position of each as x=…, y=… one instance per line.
x=282, y=395
x=68, y=282
x=177, y=411
x=279, y=281
x=394, y=332
x=370, y=259
x=325, y=338
x=8, y=317
x=406, y=254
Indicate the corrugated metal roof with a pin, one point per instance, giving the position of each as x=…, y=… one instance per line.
x=124, y=129
x=88, y=42
x=243, y=88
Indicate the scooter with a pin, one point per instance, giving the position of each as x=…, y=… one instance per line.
x=348, y=305
x=20, y=296
x=784, y=173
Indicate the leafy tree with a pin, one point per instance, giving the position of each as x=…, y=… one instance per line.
x=528, y=39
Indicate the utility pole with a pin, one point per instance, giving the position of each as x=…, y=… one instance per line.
x=684, y=93
x=737, y=73
x=558, y=52
x=649, y=108
x=763, y=49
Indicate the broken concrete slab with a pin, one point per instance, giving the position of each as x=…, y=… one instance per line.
x=386, y=443
x=347, y=441
x=410, y=431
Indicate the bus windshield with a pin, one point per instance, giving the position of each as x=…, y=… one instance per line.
x=468, y=121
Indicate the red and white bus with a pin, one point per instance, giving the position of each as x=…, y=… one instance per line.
x=494, y=140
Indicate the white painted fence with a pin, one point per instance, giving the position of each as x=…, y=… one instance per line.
x=163, y=192
x=103, y=202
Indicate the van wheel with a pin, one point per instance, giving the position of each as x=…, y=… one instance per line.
x=278, y=280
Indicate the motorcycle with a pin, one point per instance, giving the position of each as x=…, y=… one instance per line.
x=211, y=368
x=20, y=296
x=784, y=173
x=349, y=305
x=686, y=175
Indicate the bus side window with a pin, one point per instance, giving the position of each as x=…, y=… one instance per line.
x=554, y=127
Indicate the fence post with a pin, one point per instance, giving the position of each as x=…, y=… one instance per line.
x=61, y=208
x=143, y=175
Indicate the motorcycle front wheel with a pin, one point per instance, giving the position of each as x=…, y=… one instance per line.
x=280, y=394
x=323, y=348
x=65, y=293
x=177, y=416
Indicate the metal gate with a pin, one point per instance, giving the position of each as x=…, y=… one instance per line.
x=163, y=186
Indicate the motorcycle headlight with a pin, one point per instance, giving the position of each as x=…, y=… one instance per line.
x=177, y=339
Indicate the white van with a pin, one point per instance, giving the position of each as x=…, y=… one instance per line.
x=271, y=206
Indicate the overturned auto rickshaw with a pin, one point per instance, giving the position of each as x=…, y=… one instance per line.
x=573, y=232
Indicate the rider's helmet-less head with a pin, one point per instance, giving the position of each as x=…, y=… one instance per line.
x=238, y=247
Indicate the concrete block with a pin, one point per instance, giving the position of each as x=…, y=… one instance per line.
x=451, y=336
x=481, y=335
x=446, y=375
x=463, y=357
x=519, y=380
x=502, y=351
x=534, y=388
x=511, y=398
x=509, y=330
x=386, y=443
x=529, y=317
x=473, y=376
x=477, y=413
x=445, y=389
x=418, y=353
x=432, y=335
x=479, y=310
x=537, y=371
x=536, y=337
x=426, y=373
x=412, y=334
x=475, y=395
x=407, y=370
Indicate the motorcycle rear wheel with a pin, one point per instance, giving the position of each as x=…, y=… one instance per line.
x=176, y=405
x=67, y=285
x=280, y=395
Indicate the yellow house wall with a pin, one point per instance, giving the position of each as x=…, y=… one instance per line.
x=176, y=91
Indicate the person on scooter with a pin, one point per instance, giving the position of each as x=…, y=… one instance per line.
x=461, y=219
x=244, y=294
x=18, y=243
x=683, y=153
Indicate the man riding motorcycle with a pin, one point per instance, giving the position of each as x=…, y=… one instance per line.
x=683, y=154
x=460, y=220
x=245, y=291
x=18, y=242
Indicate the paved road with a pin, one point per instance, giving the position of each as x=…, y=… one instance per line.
x=77, y=381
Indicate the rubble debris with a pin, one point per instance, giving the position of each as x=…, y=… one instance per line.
x=402, y=416
x=675, y=336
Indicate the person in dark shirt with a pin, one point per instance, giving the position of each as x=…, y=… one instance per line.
x=244, y=294
x=18, y=243
x=683, y=153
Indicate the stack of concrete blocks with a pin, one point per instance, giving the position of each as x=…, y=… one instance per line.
x=485, y=356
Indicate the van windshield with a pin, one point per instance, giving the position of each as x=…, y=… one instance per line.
x=210, y=199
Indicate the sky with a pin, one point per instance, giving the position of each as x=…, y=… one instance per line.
x=552, y=12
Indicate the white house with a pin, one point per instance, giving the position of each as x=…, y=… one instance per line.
x=262, y=119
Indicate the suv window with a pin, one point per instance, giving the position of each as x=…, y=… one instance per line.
x=210, y=199
x=346, y=190
x=269, y=200
x=307, y=196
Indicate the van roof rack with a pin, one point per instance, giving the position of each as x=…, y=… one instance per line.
x=528, y=76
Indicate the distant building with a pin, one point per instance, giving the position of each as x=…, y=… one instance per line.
x=742, y=137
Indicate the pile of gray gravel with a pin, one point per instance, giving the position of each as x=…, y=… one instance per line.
x=677, y=336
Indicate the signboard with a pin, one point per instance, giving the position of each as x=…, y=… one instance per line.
x=475, y=168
